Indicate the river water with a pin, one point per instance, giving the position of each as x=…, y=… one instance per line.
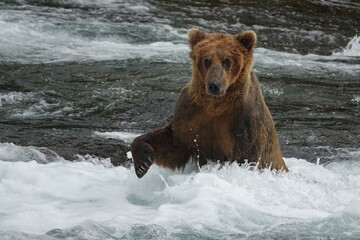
x=78, y=78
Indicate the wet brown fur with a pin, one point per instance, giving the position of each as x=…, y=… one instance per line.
x=235, y=126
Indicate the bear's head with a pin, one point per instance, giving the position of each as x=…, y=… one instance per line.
x=221, y=60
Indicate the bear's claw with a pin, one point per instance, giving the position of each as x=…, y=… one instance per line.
x=143, y=160
x=142, y=168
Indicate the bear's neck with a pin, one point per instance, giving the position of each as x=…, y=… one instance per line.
x=234, y=97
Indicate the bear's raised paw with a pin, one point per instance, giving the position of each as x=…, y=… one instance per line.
x=143, y=155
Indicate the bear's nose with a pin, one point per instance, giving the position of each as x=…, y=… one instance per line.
x=214, y=88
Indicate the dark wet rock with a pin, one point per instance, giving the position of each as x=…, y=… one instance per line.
x=105, y=148
x=69, y=148
x=68, y=144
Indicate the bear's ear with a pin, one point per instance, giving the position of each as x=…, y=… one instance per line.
x=195, y=36
x=247, y=39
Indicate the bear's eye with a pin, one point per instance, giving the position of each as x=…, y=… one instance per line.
x=227, y=63
x=207, y=63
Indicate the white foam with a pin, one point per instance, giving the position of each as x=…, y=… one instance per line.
x=96, y=201
x=272, y=90
x=353, y=208
x=14, y=97
x=125, y=136
x=356, y=99
x=140, y=6
x=352, y=48
x=275, y=63
x=32, y=105
x=51, y=199
x=42, y=108
x=14, y=153
x=30, y=39
x=106, y=162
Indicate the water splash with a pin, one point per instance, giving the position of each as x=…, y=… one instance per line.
x=14, y=153
x=356, y=99
x=127, y=137
x=352, y=49
x=90, y=199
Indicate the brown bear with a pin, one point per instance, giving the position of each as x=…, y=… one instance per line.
x=220, y=114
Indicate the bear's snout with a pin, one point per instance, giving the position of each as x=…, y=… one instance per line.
x=215, y=81
x=213, y=88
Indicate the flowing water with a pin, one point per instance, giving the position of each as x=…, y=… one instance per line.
x=79, y=78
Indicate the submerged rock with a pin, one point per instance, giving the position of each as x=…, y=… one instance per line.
x=69, y=144
x=70, y=147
